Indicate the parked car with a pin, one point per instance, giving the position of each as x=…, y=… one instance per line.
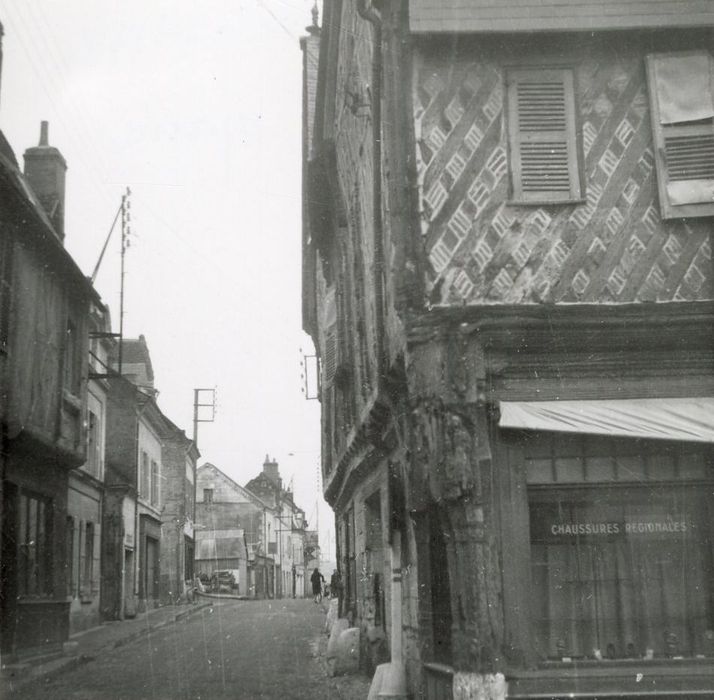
x=223, y=581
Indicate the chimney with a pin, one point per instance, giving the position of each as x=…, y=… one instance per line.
x=45, y=169
x=270, y=469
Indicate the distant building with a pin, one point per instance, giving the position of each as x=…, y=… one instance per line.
x=44, y=320
x=148, y=494
x=288, y=530
x=178, y=543
x=229, y=522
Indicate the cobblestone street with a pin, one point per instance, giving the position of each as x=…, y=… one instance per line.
x=236, y=649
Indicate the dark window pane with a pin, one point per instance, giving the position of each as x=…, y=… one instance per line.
x=600, y=468
x=539, y=471
x=630, y=468
x=569, y=469
x=692, y=465
x=660, y=466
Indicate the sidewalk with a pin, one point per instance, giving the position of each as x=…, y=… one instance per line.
x=83, y=646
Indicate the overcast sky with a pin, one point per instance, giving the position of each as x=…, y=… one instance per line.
x=196, y=106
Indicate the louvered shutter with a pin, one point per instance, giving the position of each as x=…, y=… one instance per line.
x=682, y=108
x=542, y=140
x=329, y=357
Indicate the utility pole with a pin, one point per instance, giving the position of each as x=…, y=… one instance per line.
x=198, y=397
x=125, y=243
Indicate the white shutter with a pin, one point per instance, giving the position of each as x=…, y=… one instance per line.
x=683, y=131
x=329, y=359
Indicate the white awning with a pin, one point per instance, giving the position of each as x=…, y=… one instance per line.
x=690, y=420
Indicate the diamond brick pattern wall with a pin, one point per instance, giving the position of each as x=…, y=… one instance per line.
x=613, y=247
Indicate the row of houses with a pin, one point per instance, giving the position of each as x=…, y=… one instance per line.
x=97, y=483
x=256, y=530
x=507, y=275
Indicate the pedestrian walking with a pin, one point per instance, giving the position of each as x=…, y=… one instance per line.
x=336, y=590
x=317, y=580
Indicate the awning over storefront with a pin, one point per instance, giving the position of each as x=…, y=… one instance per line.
x=690, y=420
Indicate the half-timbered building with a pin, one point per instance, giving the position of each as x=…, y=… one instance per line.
x=508, y=279
x=44, y=311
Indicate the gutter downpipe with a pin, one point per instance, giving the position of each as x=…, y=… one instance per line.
x=389, y=680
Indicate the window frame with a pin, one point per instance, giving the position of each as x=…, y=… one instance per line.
x=659, y=130
x=154, y=483
x=35, y=573
x=539, y=492
x=515, y=74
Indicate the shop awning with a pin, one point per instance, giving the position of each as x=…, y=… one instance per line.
x=690, y=420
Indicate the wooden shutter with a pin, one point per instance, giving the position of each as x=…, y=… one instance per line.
x=329, y=356
x=542, y=140
x=684, y=148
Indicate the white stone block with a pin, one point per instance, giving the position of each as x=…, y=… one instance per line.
x=346, y=659
x=339, y=626
x=479, y=686
x=331, y=615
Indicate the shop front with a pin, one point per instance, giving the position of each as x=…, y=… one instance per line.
x=615, y=505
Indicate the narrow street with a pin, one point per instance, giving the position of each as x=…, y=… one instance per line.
x=236, y=649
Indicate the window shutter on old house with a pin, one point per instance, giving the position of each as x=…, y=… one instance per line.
x=682, y=110
x=542, y=136
x=329, y=357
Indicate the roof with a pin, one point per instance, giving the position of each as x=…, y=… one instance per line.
x=435, y=16
x=136, y=362
x=234, y=484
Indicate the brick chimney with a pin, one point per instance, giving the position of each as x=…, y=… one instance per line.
x=45, y=169
x=270, y=469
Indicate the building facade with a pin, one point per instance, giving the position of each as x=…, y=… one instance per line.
x=85, y=498
x=138, y=438
x=507, y=276
x=44, y=310
x=178, y=542
x=229, y=531
x=285, y=530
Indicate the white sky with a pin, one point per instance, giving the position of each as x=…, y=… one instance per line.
x=196, y=106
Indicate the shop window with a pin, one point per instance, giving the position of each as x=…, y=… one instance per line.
x=621, y=556
x=544, y=152
x=682, y=110
x=35, y=545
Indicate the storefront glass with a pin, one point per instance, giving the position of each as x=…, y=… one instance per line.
x=621, y=549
